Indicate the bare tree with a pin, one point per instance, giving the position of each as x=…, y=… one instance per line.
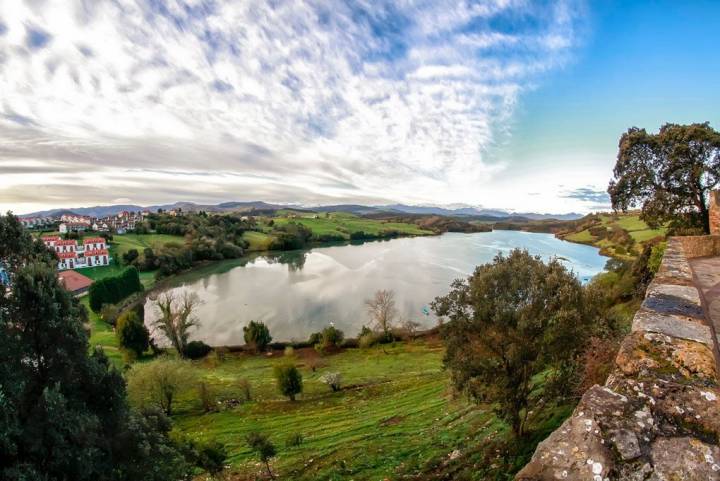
x=176, y=317
x=382, y=310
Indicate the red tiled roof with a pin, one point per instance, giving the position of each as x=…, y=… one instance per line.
x=67, y=255
x=74, y=281
x=96, y=252
x=93, y=240
x=66, y=242
x=50, y=238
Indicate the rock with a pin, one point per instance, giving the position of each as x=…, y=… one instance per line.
x=684, y=459
x=681, y=327
x=626, y=443
x=672, y=299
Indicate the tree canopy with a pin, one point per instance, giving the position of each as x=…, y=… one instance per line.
x=63, y=412
x=668, y=175
x=510, y=321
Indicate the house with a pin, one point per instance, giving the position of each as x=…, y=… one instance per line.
x=66, y=227
x=76, y=219
x=74, y=282
x=92, y=252
x=36, y=222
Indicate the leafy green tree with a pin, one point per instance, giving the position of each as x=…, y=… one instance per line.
x=112, y=290
x=289, y=380
x=669, y=174
x=130, y=256
x=263, y=447
x=257, y=336
x=132, y=333
x=157, y=383
x=511, y=320
x=63, y=412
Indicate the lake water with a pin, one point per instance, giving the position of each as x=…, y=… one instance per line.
x=300, y=292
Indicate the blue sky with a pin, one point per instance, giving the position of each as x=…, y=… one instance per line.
x=512, y=104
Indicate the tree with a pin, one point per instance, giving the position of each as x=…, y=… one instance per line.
x=130, y=256
x=264, y=449
x=289, y=380
x=382, y=310
x=132, y=333
x=669, y=174
x=112, y=290
x=63, y=409
x=332, y=379
x=159, y=382
x=176, y=317
x=257, y=336
x=510, y=321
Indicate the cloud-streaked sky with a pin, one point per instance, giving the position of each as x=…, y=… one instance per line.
x=505, y=103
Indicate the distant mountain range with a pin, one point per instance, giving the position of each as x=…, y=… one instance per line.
x=464, y=211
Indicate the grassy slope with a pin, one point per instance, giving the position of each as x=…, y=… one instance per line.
x=101, y=334
x=344, y=224
x=637, y=229
x=397, y=416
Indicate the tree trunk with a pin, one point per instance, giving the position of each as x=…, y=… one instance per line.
x=270, y=473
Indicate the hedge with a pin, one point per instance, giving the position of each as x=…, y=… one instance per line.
x=112, y=290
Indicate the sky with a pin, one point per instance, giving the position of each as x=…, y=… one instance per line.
x=511, y=104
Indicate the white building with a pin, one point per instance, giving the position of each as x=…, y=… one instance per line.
x=92, y=252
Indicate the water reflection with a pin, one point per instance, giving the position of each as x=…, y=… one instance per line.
x=300, y=292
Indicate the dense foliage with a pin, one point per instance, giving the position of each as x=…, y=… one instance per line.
x=289, y=380
x=132, y=334
x=512, y=320
x=112, y=290
x=668, y=174
x=257, y=336
x=63, y=412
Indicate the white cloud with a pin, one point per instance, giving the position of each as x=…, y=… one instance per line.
x=286, y=101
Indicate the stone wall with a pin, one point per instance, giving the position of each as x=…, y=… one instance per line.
x=658, y=415
x=714, y=213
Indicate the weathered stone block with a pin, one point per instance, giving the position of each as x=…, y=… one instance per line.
x=683, y=327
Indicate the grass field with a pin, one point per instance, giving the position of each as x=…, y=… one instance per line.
x=101, y=334
x=394, y=414
x=344, y=224
x=631, y=223
x=258, y=241
x=123, y=243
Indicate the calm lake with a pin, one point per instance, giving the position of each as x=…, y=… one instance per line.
x=300, y=292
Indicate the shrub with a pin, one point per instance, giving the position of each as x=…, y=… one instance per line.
x=196, y=350
x=314, y=338
x=159, y=382
x=314, y=364
x=207, y=398
x=245, y=390
x=367, y=340
x=109, y=313
x=656, y=255
x=212, y=457
x=289, y=380
x=112, y=290
x=132, y=333
x=257, y=336
x=265, y=450
x=294, y=440
x=332, y=379
x=332, y=337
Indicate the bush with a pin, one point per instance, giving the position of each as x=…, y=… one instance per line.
x=212, y=457
x=656, y=255
x=332, y=379
x=368, y=340
x=245, y=390
x=332, y=337
x=207, y=398
x=289, y=380
x=109, y=313
x=289, y=351
x=196, y=350
x=132, y=333
x=257, y=336
x=294, y=440
x=112, y=290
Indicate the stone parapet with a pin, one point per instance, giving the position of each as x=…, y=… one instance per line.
x=658, y=415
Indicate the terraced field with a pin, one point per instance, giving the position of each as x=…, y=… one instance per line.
x=393, y=415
